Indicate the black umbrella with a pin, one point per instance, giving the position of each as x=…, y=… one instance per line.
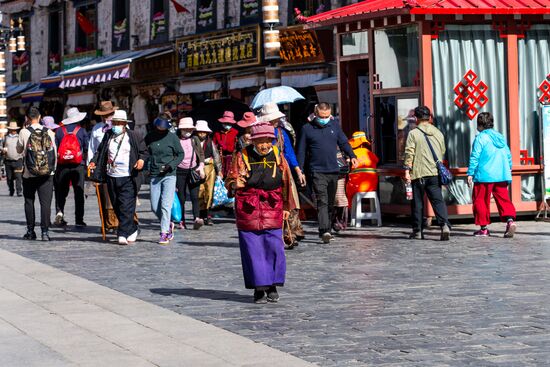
x=213, y=109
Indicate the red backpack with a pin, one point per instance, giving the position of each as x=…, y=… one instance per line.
x=70, y=151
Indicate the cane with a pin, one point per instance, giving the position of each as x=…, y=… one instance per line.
x=100, y=209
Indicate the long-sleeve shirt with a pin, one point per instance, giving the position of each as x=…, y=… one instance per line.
x=24, y=136
x=319, y=143
x=10, y=143
x=226, y=140
x=81, y=135
x=96, y=136
x=164, y=150
x=287, y=148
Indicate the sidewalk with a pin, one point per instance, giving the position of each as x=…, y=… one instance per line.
x=51, y=318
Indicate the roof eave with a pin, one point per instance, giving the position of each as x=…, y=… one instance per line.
x=357, y=17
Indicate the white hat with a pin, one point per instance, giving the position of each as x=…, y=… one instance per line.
x=73, y=116
x=270, y=111
x=202, y=127
x=120, y=115
x=186, y=123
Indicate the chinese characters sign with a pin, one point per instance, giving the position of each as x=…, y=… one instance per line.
x=299, y=46
x=219, y=50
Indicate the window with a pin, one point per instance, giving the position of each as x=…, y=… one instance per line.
x=206, y=15
x=21, y=60
x=121, y=25
x=54, y=41
x=396, y=56
x=86, y=28
x=307, y=8
x=355, y=43
x=159, y=21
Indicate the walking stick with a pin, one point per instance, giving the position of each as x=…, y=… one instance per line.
x=100, y=209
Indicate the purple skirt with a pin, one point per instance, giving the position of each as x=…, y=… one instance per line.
x=263, y=258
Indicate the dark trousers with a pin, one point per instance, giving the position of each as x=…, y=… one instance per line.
x=182, y=182
x=14, y=172
x=324, y=186
x=42, y=185
x=429, y=185
x=65, y=176
x=123, y=193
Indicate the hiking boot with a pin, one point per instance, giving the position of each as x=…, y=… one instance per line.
x=445, y=233
x=510, y=229
x=122, y=240
x=326, y=237
x=46, y=236
x=30, y=235
x=163, y=240
x=272, y=295
x=482, y=233
x=131, y=238
x=260, y=297
x=59, y=221
x=416, y=235
x=198, y=223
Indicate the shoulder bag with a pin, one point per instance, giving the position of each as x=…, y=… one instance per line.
x=445, y=176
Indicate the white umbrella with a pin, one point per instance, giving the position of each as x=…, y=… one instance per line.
x=279, y=95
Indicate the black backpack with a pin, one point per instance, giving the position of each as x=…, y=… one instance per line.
x=40, y=155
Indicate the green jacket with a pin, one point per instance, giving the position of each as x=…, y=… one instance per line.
x=418, y=156
x=164, y=150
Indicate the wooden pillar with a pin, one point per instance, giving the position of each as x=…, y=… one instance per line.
x=513, y=111
x=426, y=71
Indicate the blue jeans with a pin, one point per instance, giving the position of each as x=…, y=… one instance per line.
x=162, y=198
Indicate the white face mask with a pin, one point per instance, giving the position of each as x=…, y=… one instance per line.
x=227, y=127
x=186, y=134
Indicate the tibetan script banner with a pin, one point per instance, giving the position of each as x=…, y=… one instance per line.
x=299, y=46
x=220, y=50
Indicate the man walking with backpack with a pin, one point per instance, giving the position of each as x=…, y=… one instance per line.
x=72, y=141
x=37, y=144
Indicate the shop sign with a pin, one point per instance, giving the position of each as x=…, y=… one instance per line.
x=74, y=60
x=299, y=46
x=219, y=50
x=155, y=67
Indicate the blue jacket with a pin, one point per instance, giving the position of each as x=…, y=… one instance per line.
x=490, y=160
x=320, y=142
x=288, y=149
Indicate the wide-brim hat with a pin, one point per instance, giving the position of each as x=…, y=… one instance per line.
x=262, y=130
x=248, y=119
x=105, y=108
x=49, y=123
x=228, y=118
x=270, y=111
x=357, y=139
x=120, y=115
x=13, y=126
x=73, y=116
x=202, y=127
x=186, y=123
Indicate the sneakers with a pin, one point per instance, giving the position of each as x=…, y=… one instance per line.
x=59, y=221
x=30, y=235
x=132, y=238
x=445, y=233
x=416, y=235
x=198, y=223
x=510, y=229
x=164, y=240
x=260, y=297
x=122, y=240
x=170, y=235
x=272, y=295
x=482, y=233
x=46, y=236
x=326, y=237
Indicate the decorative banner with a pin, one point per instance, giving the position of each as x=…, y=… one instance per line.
x=471, y=97
x=121, y=32
x=544, y=88
x=299, y=46
x=219, y=50
x=206, y=15
x=21, y=62
x=158, y=25
x=545, y=124
x=250, y=11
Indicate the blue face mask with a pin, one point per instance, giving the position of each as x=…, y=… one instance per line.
x=117, y=130
x=323, y=122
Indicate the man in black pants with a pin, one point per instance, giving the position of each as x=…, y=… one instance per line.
x=43, y=185
x=319, y=140
x=71, y=166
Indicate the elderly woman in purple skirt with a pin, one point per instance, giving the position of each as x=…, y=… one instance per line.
x=260, y=178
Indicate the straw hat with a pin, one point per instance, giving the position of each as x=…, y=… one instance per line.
x=120, y=115
x=202, y=127
x=186, y=123
x=13, y=126
x=105, y=108
x=248, y=119
x=262, y=130
x=270, y=111
x=228, y=118
x=73, y=116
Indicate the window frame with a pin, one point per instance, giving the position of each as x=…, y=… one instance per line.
x=77, y=26
x=125, y=43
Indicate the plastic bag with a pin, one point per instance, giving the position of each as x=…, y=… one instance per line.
x=176, y=209
x=220, y=197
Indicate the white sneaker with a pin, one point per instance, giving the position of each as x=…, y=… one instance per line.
x=122, y=240
x=133, y=237
x=58, y=219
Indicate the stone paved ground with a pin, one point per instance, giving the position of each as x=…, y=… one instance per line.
x=369, y=298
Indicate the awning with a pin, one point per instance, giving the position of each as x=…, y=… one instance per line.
x=51, y=81
x=302, y=78
x=199, y=86
x=106, y=68
x=246, y=81
x=82, y=98
x=327, y=90
x=34, y=94
x=14, y=90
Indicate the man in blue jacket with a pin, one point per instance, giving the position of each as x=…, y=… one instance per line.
x=490, y=171
x=319, y=140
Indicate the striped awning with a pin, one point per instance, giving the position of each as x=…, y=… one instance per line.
x=35, y=94
x=15, y=90
x=51, y=81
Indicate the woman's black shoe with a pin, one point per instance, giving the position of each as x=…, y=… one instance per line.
x=30, y=235
x=272, y=295
x=46, y=236
x=260, y=297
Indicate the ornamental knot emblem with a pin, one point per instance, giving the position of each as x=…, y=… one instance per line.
x=544, y=88
x=471, y=96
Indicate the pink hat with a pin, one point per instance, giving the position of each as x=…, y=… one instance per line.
x=248, y=119
x=228, y=118
x=262, y=130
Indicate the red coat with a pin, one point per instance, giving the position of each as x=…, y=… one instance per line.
x=257, y=209
x=226, y=140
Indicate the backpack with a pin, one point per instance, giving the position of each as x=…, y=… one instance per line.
x=70, y=151
x=40, y=153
